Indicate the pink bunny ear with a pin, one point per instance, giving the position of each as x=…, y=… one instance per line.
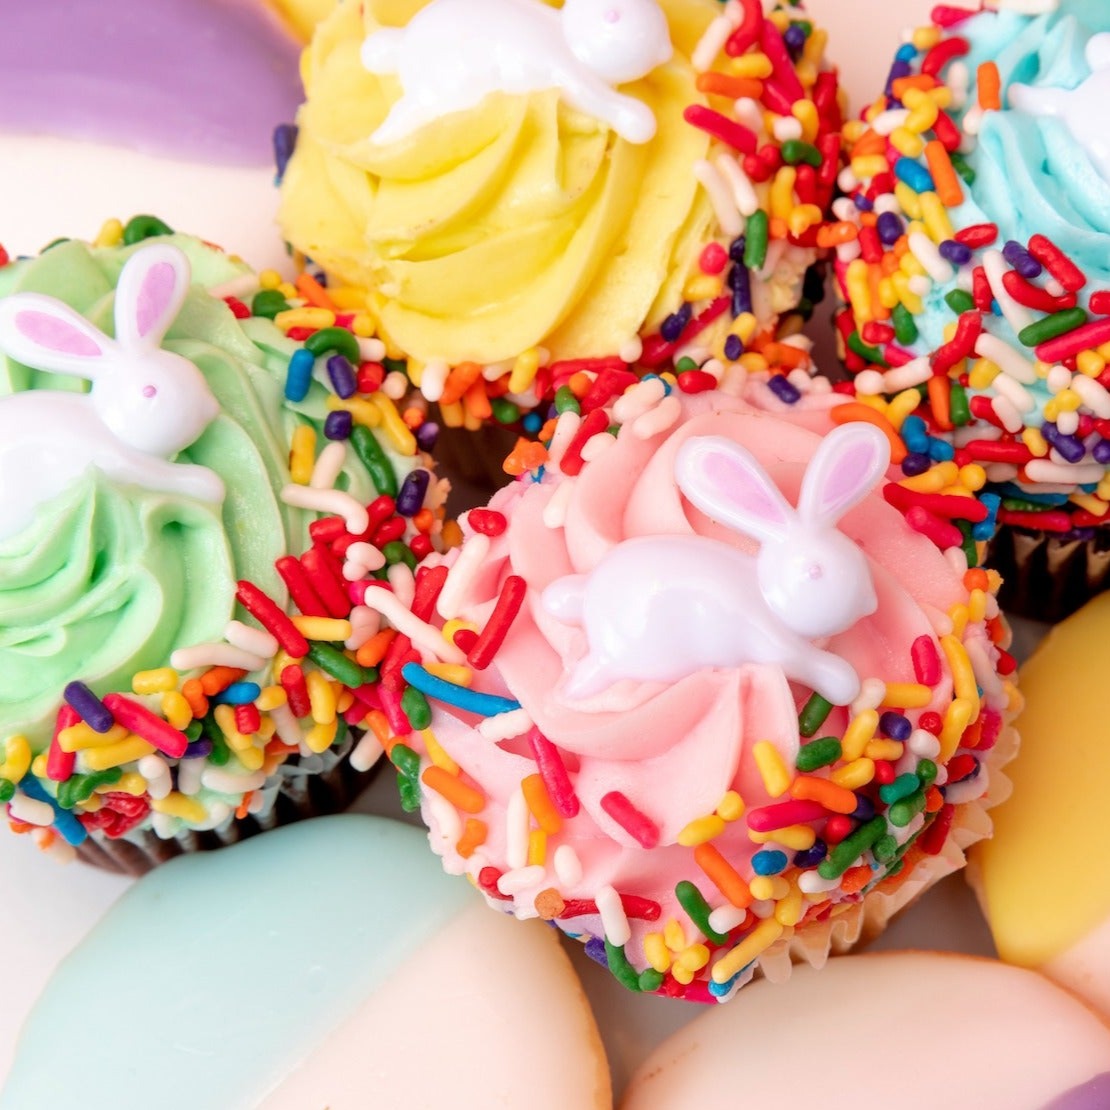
x=151, y=290
x=727, y=484
x=845, y=468
x=46, y=334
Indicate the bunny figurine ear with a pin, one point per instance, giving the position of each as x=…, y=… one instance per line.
x=149, y=296
x=727, y=484
x=845, y=468
x=46, y=334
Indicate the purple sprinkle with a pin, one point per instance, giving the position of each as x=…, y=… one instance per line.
x=1101, y=452
x=811, y=857
x=285, y=141
x=795, y=38
x=343, y=378
x=734, y=348
x=198, y=749
x=890, y=228
x=915, y=463
x=896, y=726
x=411, y=496
x=863, y=203
x=959, y=254
x=675, y=324
x=901, y=68
x=1021, y=260
x=783, y=389
x=741, y=283
x=426, y=435
x=865, y=808
x=595, y=949
x=1080, y=535
x=89, y=707
x=737, y=247
x=1069, y=446
x=338, y=424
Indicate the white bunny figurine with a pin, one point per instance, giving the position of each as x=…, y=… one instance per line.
x=145, y=404
x=660, y=607
x=454, y=53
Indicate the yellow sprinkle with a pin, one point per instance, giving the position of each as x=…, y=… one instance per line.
x=94, y=802
x=344, y=700
x=1051, y=410
x=751, y=65
x=855, y=774
x=956, y=719
x=782, y=191
x=455, y=673
x=973, y=477
x=154, y=682
x=906, y=197
x=963, y=676
x=524, y=370
x=17, y=758
x=802, y=218
x=976, y=606
x=115, y=755
x=1096, y=506
x=321, y=697
x=790, y=908
x=270, y=698
x=453, y=414
x=348, y=297
x=693, y=958
x=38, y=766
x=674, y=935
x=855, y=129
x=269, y=279
x=1090, y=363
x=902, y=406
x=772, y=768
x=288, y=291
x=923, y=114
x=762, y=888
x=322, y=735
x=907, y=695
x=888, y=295
x=78, y=737
x=251, y=758
x=268, y=727
x=910, y=300
x=322, y=628
x=907, y=142
x=537, y=848
x=180, y=805
x=805, y=112
x=451, y=535
x=890, y=750
x=302, y=454
x=225, y=719
x=750, y=948
x=743, y=327
x=814, y=50
x=363, y=326
x=859, y=290
x=682, y=975
x=437, y=753
x=730, y=807
x=702, y=287
x=799, y=838
x=934, y=479
x=935, y=215
x=982, y=373
x=700, y=830
x=361, y=410
x=753, y=362
x=306, y=317
x=130, y=782
x=657, y=953
x=109, y=235
x=925, y=38
x=175, y=708
x=858, y=734
x=1035, y=441
x=958, y=616
x=395, y=429
x=867, y=166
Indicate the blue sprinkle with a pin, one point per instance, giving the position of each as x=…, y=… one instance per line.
x=811, y=857
x=906, y=52
x=411, y=497
x=900, y=68
x=890, y=228
x=783, y=389
x=984, y=530
x=675, y=324
x=959, y=254
x=338, y=424
x=1021, y=260
x=532, y=423
x=595, y=949
x=285, y=142
x=343, y=378
x=914, y=434
x=896, y=726
x=72, y=831
x=734, y=348
x=89, y=707
x=238, y=693
x=914, y=174
x=299, y=375
x=939, y=451
x=769, y=862
x=469, y=701
x=720, y=990
x=657, y=378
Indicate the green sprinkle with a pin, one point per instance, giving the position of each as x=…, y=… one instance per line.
x=268, y=304
x=903, y=812
x=697, y=909
x=504, y=412
x=415, y=706
x=958, y=406
x=405, y=760
x=927, y=773
x=1020, y=505
x=331, y=660
x=905, y=330
x=795, y=151
x=339, y=340
x=865, y=350
x=650, y=980
x=620, y=968
x=395, y=366
x=885, y=848
x=967, y=545
x=813, y=714
x=7, y=790
x=193, y=731
x=565, y=400
x=396, y=551
x=374, y=458
x=755, y=246
x=1059, y=323
x=818, y=753
x=892, y=871
x=77, y=788
x=851, y=848
x=685, y=363
x=960, y=301
x=960, y=165
x=409, y=789
x=902, y=787
x=212, y=732
x=144, y=227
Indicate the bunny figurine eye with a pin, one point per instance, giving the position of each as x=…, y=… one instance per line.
x=150, y=391
x=661, y=607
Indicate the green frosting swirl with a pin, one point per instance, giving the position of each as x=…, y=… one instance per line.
x=110, y=579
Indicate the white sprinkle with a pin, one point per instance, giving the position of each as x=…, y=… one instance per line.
x=494, y=370
x=329, y=501
x=257, y=641
x=743, y=191
x=156, y=771
x=1053, y=288
x=871, y=694
x=424, y=638
x=1009, y=360
x=519, y=879
x=239, y=287
x=370, y=350
x=566, y=428
x=1009, y=387
x=926, y=252
x=923, y=744
x=329, y=465
x=444, y=821
x=985, y=672
x=568, y=867
x=725, y=918
x=1080, y=474
x=720, y=198
x=400, y=577
x=749, y=112
x=31, y=811
x=659, y=419
x=215, y=655
x=915, y=372
x=973, y=120
x=631, y=349
x=288, y=727
x=163, y=825
x=517, y=820
x=715, y=367
x=786, y=128
x=847, y=181
x=711, y=43
x=848, y=252
x=995, y=267
x=614, y=921
x=53, y=846
x=844, y=209
x=1007, y=412
x=1093, y=394
x=555, y=511
x=596, y=446
x=189, y=772
x=226, y=782
x=870, y=382
x=763, y=907
x=360, y=560
x=638, y=400
x=810, y=882
x=365, y=623
x=1067, y=423
x=504, y=726
x=886, y=123
x=433, y=379
x=395, y=386
x=461, y=576
x=1057, y=378
x=367, y=752
x=919, y=285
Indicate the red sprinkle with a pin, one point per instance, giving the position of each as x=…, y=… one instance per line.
x=932, y=527
x=500, y=620
x=977, y=235
x=60, y=764
x=1032, y=296
x=429, y=582
x=981, y=292
x=239, y=310
x=728, y=131
x=326, y=581
x=296, y=691
x=300, y=588
x=270, y=616
x=1049, y=255
x=943, y=53
x=553, y=771
x=990, y=450
x=487, y=521
x=926, y=661
x=941, y=505
x=947, y=15
x=837, y=828
x=1078, y=339
x=572, y=462
x=932, y=839
x=1051, y=521
x=640, y=909
x=696, y=381
x=713, y=259
x=638, y=826
x=747, y=34
x=139, y=720
x=247, y=719
x=780, y=816
x=1099, y=303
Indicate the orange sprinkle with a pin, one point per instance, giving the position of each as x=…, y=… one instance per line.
x=723, y=875
x=217, y=679
x=21, y=827
x=244, y=806
x=473, y=836
x=721, y=84
x=424, y=520
x=459, y=380
x=836, y=234
x=777, y=228
x=378, y=724
x=874, y=280
x=525, y=456
x=868, y=219
x=810, y=788
x=193, y=693
x=917, y=81
x=934, y=799
x=976, y=579
x=855, y=879
x=945, y=178
x=870, y=142
x=373, y=651
x=413, y=417
x=580, y=383
x=845, y=414
x=990, y=87
x=784, y=355
x=314, y=292
x=540, y=805
x=476, y=401
x=938, y=400
x=458, y=793
x=547, y=431
x=889, y=263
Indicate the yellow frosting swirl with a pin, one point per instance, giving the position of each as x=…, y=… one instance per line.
x=518, y=223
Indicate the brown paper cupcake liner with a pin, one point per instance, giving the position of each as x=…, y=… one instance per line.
x=472, y=461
